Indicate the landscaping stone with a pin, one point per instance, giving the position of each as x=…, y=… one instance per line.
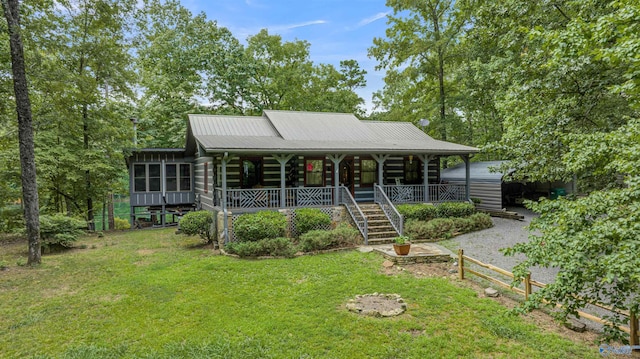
x=575, y=325
x=387, y=264
x=490, y=292
x=365, y=249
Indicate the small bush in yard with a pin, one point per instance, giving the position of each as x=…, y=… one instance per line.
x=481, y=221
x=198, y=223
x=443, y=228
x=260, y=225
x=455, y=209
x=311, y=218
x=342, y=236
x=277, y=247
x=59, y=230
x=121, y=224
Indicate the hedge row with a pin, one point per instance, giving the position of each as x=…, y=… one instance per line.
x=426, y=212
x=343, y=236
x=444, y=228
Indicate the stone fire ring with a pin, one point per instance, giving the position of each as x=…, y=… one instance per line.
x=377, y=305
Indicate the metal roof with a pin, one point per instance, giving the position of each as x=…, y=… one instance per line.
x=313, y=132
x=479, y=172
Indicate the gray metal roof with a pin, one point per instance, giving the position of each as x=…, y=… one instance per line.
x=479, y=172
x=313, y=132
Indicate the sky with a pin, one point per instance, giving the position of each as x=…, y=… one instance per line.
x=336, y=29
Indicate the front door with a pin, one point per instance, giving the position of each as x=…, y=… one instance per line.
x=345, y=174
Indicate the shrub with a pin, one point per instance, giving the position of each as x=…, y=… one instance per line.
x=11, y=219
x=464, y=225
x=420, y=211
x=481, y=221
x=316, y=240
x=311, y=218
x=455, y=209
x=59, y=230
x=260, y=225
x=277, y=247
x=121, y=224
x=439, y=228
x=198, y=223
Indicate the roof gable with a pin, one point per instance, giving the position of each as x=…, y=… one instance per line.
x=319, y=126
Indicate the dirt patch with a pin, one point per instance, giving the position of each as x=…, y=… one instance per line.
x=378, y=305
x=537, y=317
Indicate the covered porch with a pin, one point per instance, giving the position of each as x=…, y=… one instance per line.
x=365, y=179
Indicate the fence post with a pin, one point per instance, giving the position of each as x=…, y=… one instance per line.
x=633, y=330
x=460, y=264
x=527, y=286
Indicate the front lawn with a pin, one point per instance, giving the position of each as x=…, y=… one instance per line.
x=152, y=294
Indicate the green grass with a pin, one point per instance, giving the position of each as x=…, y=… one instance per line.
x=152, y=294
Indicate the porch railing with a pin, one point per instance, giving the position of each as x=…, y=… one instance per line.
x=309, y=196
x=269, y=198
x=395, y=218
x=346, y=199
x=254, y=198
x=437, y=193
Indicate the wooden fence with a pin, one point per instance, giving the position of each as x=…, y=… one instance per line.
x=529, y=283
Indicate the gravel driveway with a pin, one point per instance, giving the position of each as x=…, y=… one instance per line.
x=484, y=246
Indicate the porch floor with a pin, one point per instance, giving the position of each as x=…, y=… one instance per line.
x=420, y=253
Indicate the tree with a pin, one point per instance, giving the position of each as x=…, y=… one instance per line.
x=83, y=85
x=419, y=52
x=569, y=100
x=25, y=131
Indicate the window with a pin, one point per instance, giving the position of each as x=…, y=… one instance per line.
x=412, y=173
x=139, y=178
x=251, y=169
x=172, y=177
x=314, y=172
x=154, y=177
x=178, y=177
x=185, y=177
x=206, y=177
x=368, y=169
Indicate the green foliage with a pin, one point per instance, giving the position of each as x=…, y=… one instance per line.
x=121, y=224
x=198, y=223
x=11, y=219
x=277, y=247
x=455, y=209
x=260, y=225
x=311, y=218
x=401, y=239
x=60, y=230
x=426, y=211
x=444, y=228
x=342, y=236
x=420, y=211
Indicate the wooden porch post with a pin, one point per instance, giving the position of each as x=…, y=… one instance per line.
x=425, y=174
x=467, y=179
x=336, y=164
x=282, y=160
x=380, y=159
x=225, y=159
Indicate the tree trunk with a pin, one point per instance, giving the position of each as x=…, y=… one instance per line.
x=110, y=214
x=25, y=132
x=87, y=175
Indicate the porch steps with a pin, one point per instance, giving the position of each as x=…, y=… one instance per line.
x=380, y=230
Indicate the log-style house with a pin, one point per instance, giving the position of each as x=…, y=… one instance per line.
x=287, y=159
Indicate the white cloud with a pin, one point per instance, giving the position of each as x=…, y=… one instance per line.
x=284, y=28
x=373, y=18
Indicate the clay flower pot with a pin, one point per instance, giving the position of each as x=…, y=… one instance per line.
x=402, y=249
